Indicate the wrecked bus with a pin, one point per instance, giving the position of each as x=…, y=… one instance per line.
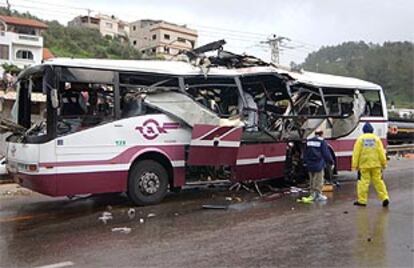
x=147, y=127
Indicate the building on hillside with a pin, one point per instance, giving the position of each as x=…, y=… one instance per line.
x=47, y=54
x=106, y=25
x=21, y=42
x=157, y=37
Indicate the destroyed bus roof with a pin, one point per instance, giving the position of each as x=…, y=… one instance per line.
x=328, y=80
x=180, y=68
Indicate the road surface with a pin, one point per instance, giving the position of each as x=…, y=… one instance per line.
x=36, y=230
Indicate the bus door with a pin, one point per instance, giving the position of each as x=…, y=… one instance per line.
x=213, y=145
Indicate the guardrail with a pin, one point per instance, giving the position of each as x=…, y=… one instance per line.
x=400, y=148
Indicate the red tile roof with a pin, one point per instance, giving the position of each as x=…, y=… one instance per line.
x=47, y=54
x=23, y=22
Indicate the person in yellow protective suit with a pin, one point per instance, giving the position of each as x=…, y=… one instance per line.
x=369, y=159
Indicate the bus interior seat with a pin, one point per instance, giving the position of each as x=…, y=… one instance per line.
x=376, y=109
x=71, y=104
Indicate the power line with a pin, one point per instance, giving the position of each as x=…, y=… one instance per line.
x=52, y=4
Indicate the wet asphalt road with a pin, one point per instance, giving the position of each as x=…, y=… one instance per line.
x=275, y=231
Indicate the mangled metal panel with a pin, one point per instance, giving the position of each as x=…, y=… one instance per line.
x=182, y=107
x=343, y=126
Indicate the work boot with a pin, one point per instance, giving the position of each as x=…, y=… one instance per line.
x=356, y=203
x=320, y=197
x=385, y=203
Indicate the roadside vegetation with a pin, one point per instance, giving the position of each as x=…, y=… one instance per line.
x=390, y=65
x=80, y=42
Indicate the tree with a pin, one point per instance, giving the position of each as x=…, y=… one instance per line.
x=390, y=65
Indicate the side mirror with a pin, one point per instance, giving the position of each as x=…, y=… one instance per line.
x=54, y=98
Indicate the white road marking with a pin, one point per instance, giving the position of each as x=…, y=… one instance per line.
x=58, y=265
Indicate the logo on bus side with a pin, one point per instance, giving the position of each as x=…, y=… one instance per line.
x=151, y=129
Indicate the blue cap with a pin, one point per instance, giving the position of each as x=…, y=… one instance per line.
x=367, y=128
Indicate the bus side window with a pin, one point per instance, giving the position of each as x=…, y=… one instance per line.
x=220, y=95
x=373, y=103
x=84, y=105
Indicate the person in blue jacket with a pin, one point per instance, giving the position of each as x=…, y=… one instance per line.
x=316, y=157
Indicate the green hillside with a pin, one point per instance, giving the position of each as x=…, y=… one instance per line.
x=390, y=65
x=85, y=43
x=80, y=42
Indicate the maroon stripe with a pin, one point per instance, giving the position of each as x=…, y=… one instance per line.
x=200, y=130
x=217, y=133
x=347, y=145
x=171, y=125
x=248, y=151
x=233, y=135
x=173, y=152
x=203, y=155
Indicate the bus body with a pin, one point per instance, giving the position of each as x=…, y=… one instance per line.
x=144, y=127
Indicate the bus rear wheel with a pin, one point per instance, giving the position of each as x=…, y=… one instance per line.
x=147, y=182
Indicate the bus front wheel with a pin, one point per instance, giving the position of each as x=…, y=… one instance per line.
x=147, y=182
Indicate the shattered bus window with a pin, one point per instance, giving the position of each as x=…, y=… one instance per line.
x=374, y=105
x=84, y=105
x=219, y=95
x=134, y=89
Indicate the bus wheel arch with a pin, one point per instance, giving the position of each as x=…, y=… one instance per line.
x=149, y=177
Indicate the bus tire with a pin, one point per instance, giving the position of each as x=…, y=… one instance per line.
x=147, y=183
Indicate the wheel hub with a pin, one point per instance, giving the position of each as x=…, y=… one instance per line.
x=149, y=183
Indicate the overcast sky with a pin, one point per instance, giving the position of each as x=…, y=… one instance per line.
x=245, y=23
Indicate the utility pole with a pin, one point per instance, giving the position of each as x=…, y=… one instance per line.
x=274, y=43
x=8, y=7
x=89, y=16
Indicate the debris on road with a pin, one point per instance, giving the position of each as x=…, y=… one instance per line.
x=150, y=215
x=272, y=196
x=17, y=192
x=228, y=198
x=122, y=230
x=141, y=220
x=106, y=216
x=238, y=199
x=256, y=187
x=239, y=185
x=215, y=206
x=131, y=213
x=295, y=190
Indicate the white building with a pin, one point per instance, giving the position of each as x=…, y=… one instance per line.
x=106, y=25
x=21, y=42
x=157, y=37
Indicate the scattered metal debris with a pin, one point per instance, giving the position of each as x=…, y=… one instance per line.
x=122, y=230
x=215, y=206
x=106, y=216
x=294, y=189
x=131, y=213
x=272, y=196
x=257, y=189
x=16, y=192
x=150, y=215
